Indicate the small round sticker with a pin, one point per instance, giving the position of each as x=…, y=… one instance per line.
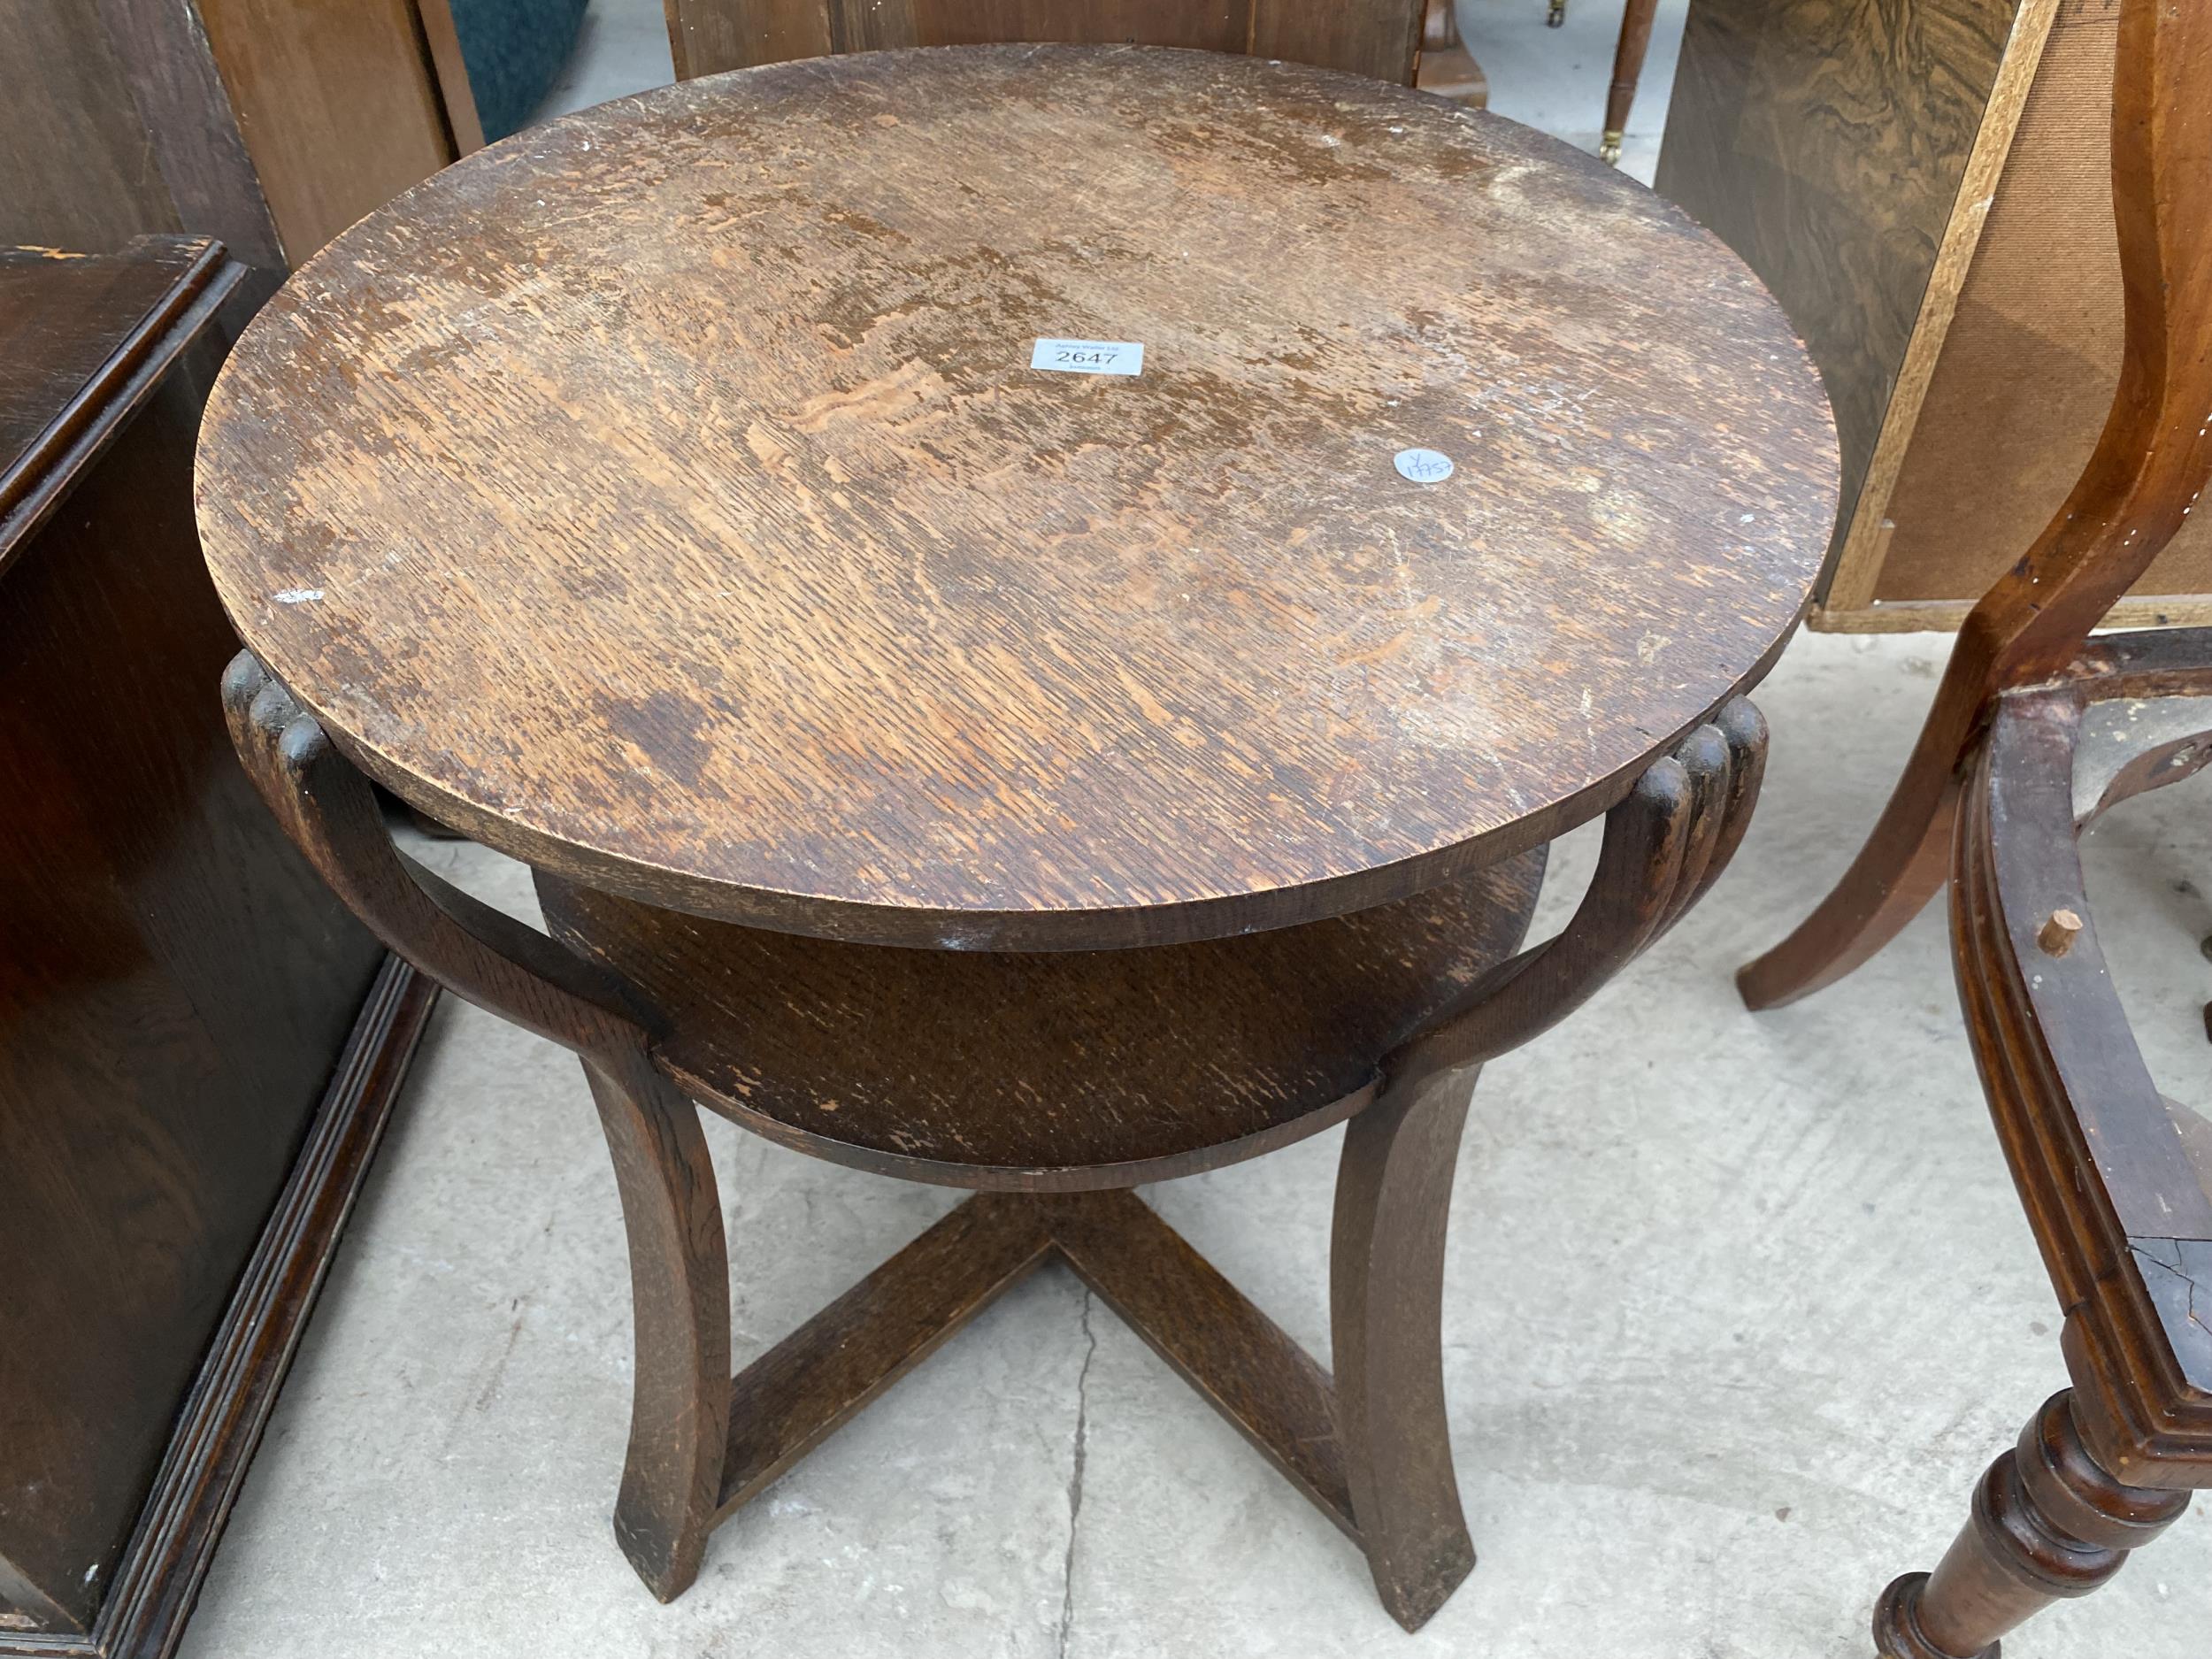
x=1423, y=466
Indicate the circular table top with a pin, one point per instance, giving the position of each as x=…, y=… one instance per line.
x=666, y=495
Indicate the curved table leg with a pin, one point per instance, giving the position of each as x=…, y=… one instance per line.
x=2048, y=1524
x=1665, y=844
x=679, y=1276
x=679, y=1297
x=1393, y=1190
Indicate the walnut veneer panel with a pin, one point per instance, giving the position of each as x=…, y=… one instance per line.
x=2027, y=370
x=1826, y=143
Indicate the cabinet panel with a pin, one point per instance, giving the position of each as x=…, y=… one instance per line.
x=184, y=1054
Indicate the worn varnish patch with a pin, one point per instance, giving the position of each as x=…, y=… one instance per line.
x=685, y=516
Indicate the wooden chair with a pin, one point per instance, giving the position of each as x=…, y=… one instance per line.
x=1628, y=67
x=1446, y=67
x=2149, y=465
x=2026, y=744
x=1380, y=38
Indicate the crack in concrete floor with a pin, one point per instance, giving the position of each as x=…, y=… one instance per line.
x=1082, y=1450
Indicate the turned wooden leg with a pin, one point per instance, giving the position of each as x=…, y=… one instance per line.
x=1628, y=69
x=680, y=1290
x=1394, y=1190
x=2048, y=1523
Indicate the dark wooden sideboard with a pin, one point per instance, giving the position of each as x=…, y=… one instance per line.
x=199, y=1045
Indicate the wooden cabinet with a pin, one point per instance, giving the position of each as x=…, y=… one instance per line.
x=1926, y=189
x=269, y=124
x=198, y=1044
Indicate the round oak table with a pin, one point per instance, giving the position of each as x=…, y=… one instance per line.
x=1034, y=611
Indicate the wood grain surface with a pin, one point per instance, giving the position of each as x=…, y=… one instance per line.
x=80, y=172
x=175, y=982
x=1863, y=534
x=188, y=122
x=663, y=495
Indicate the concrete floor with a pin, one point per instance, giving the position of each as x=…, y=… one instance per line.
x=1554, y=79
x=622, y=48
x=1737, y=1308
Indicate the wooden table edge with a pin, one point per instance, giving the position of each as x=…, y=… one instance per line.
x=1116, y=928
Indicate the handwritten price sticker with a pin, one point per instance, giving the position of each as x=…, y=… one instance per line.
x=1423, y=466
x=1088, y=357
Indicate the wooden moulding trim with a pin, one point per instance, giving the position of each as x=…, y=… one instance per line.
x=1850, y=586
x=1219, y=917
x=35, y=484
x=156, y=1584
x=2017, y=857
x=1919, y=616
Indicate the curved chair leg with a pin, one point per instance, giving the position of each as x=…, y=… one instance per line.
x=1902, y=866
x=2048, y=1523
x=680, y=1289
x=1393, y=1190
